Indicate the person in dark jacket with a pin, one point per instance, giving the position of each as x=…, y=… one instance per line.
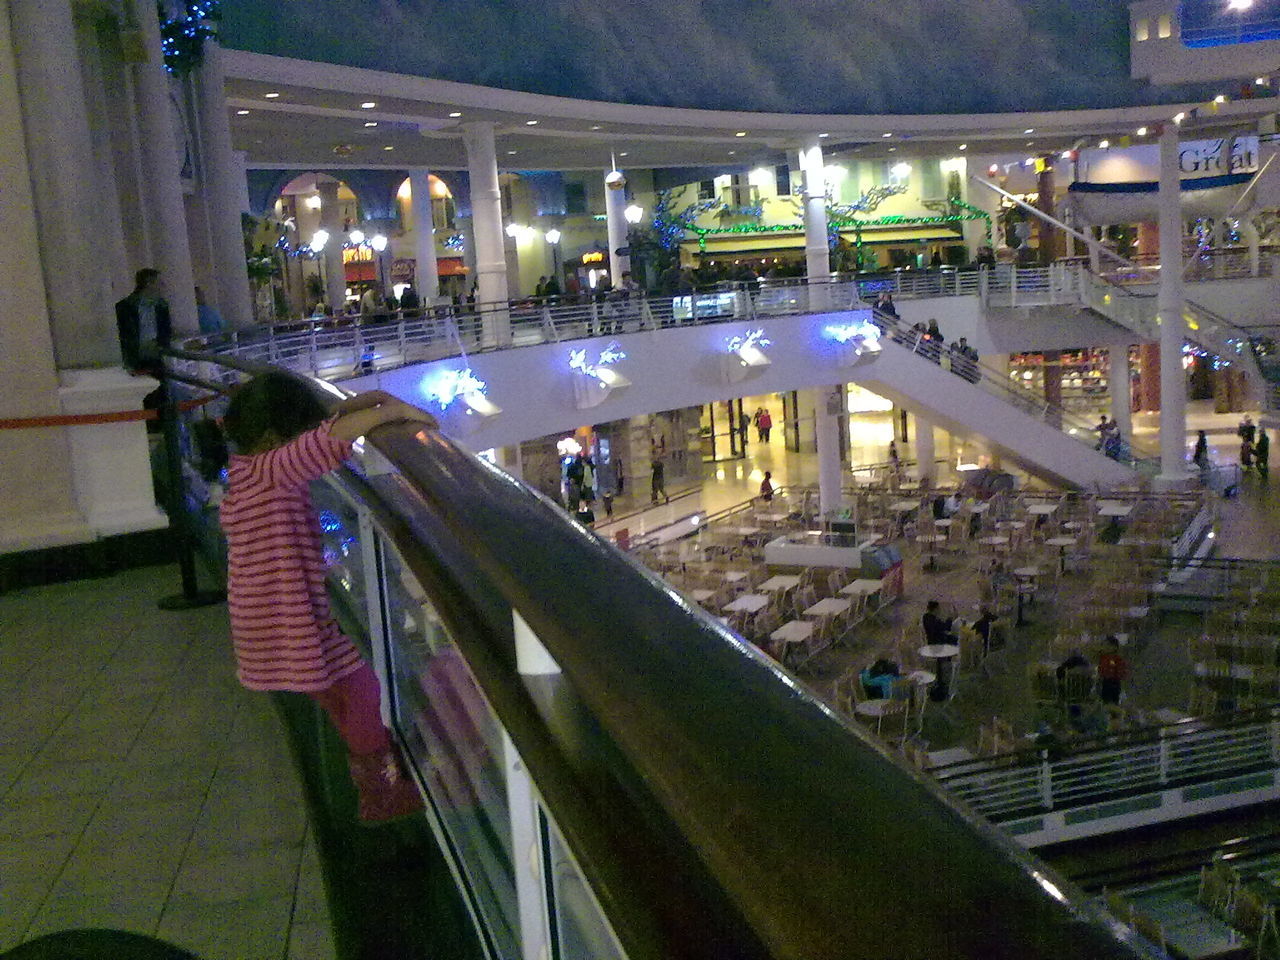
x=142, y=319
x=1262, y=452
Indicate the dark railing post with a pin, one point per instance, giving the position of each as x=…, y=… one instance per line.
x=175, y=495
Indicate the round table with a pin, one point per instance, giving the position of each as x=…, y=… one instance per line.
x=1061, y=543
x=939, y=652
x=1026, y=577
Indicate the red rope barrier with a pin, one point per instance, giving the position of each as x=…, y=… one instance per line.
x=84, y=419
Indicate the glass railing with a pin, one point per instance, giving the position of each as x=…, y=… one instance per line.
x=612, y=773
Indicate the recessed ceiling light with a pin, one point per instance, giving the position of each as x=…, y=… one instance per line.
x=271, y=96
x=964, y=146
x=741, y=133
x=1104, y=144
x=1066, y=154
x=511, y=153
x=893, y=149
x=371, y=123
x=242, y=113
x=733, y=153
x=1179, y=117
x=388, y=148
x=886, y=134
x=823, y=135
x=1142, y=131
x=1031, y=143
x=1029, y=130
x=596, y=127
x=531, y=123
x=456, y=114
x=624, y=154
x=368, y=105
x=1220, y=98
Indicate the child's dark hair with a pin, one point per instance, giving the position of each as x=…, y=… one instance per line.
x=271, y=403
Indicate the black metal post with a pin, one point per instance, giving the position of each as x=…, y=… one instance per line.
x=191, y=596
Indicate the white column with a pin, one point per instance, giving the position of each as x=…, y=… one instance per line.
x=37, y=499
x=59, y=146
x=486, y=225
x=427, y=273
x=222, y=183
x=241, y=158
x=817, y=254
x=335, y=275
x=1118, y=381
x=925, y=453
x=828, y=417
x=615, y=202
x=162, y=187
x=1169, y=307
x=1252, y=240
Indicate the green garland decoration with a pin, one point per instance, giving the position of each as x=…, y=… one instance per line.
x=182, y=38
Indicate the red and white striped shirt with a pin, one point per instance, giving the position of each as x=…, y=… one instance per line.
x=284, y=634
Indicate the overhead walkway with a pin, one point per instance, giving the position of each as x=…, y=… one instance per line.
x=612, y=773
x=1042, y=438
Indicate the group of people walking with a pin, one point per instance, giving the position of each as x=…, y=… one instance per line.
x=1255, y=448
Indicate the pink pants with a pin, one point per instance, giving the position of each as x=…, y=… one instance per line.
x=353, y=705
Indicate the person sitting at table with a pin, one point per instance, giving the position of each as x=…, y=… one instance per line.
x=1113, y=670
x=877, y=679
x=766, y=487
x=986, y=628
x=937, y=629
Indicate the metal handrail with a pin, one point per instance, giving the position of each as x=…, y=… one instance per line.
x=736, y=804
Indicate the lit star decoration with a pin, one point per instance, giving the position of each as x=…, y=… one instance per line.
x=448, y=385
x=863, y=333
x=754, y=338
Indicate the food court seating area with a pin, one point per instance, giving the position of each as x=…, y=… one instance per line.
x=1230, y=912
x=1062, y=571
x=1235, y=661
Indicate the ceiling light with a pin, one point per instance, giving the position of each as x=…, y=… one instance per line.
x=511, y=153
x=886, y=134
x=356, y=237
x=378, y=242
x=741, y=133
x=1261, y=81
x=1031, y=143
x=271, y=96
x=456, y=114
x=993, y=169
x=319, y=239
x=595, y=126
x=1179, y=117
x=901, y=170
x=733, y=153
x=371, y=123
x=1104, y=144
x=1142, y=131
x=1220, y=98
x=964, y=146
x=553, y=235
x=893, y=149
x=1239, y=5
x=1066, y=154
x=368, y=105
x=624, y=153
x=823, y=135
x=313, y=202
x=514, y=230
x=531, y=123
x=388, y=148
x=1029, y=162
x=242, y=113
x=1029, y=130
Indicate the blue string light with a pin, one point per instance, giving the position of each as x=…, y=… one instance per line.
x=182, y=38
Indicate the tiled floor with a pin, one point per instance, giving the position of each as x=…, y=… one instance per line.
x=141, y=788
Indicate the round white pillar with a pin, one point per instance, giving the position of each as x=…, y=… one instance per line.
x=1118, y=382
x=486, y=225
x=925, y=452
x=335, y=274
x=817, y=253
x=221, y=186
x=77, y=278
x=427, y=271
x=1169, y=307
x=829, y=416
x=615, y=203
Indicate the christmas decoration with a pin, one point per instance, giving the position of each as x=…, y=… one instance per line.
x=182, y=38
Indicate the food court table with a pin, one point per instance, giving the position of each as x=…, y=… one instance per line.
x=1026, y=577
x=793, y=631
x=747, y=603
x=701, y=596
x=779, y=584
x=939, y=652
x=1042, y=509
x=829, y=607
x=1061, y=543
x=1114, y=508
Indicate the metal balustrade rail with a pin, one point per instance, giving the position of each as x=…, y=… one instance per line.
x=1025, y=782
x=615, y=775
